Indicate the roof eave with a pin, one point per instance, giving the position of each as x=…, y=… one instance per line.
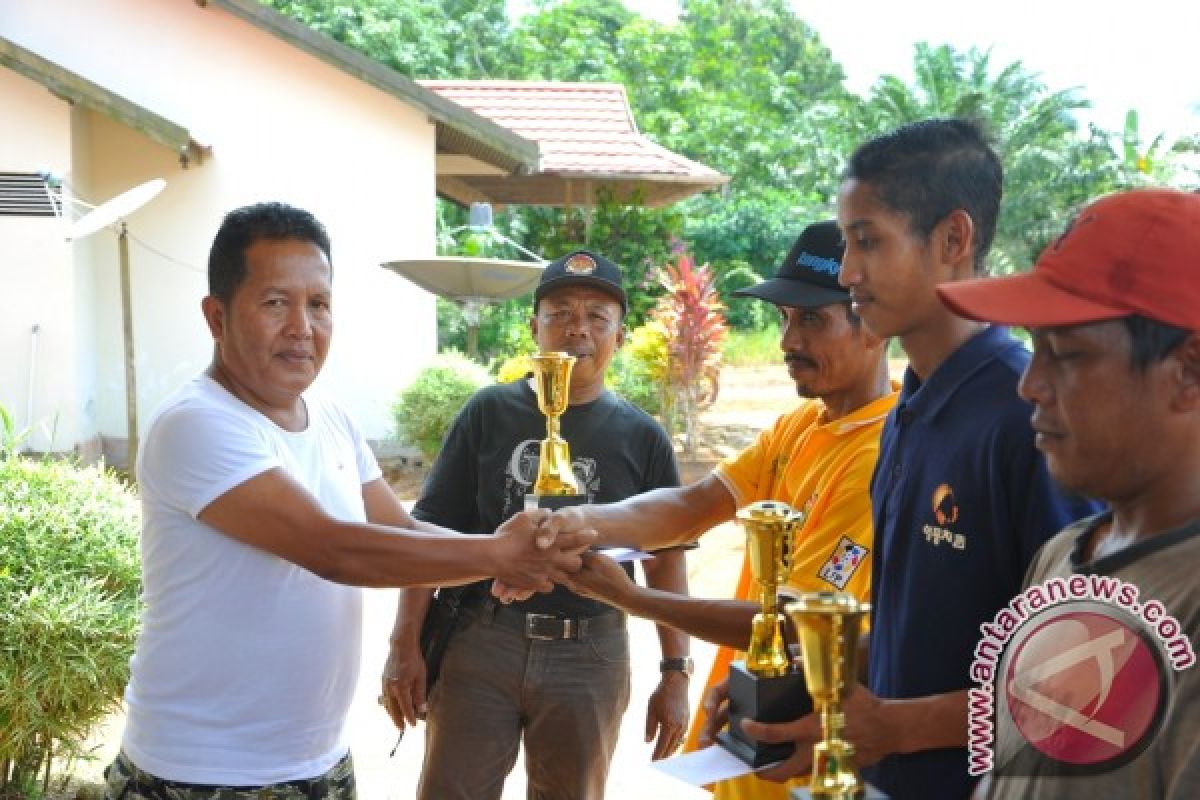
x=78, y=90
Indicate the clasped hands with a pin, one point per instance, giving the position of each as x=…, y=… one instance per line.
x=537, y=549
x=555, y=545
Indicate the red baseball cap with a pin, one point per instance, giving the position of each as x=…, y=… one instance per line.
x=1135, y=252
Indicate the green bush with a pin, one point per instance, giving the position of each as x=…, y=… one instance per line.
x=638, y=372
x=423, y=411
x=69, y=588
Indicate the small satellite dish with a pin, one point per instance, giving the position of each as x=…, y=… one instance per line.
x=115, y=209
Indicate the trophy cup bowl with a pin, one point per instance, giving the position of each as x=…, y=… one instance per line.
x=828, y=625
x=766, y=687
x=555, y=486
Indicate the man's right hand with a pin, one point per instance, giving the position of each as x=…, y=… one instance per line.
x=404, y=683
x=534, y=549
x=716, y=712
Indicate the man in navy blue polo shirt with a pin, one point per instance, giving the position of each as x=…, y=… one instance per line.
x=961, y=499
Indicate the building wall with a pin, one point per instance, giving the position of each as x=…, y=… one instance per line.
x=38, y=277
x=282, y=126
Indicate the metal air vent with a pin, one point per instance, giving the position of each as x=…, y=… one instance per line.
x=26, y=194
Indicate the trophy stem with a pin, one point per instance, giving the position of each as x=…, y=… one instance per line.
x=767, y=656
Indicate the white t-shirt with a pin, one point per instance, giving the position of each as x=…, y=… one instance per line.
x=246, y=663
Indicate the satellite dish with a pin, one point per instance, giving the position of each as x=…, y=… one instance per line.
x=115, y=209
x=471, y=282
x=103, y=215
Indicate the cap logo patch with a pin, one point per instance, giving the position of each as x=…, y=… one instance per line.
x=828, y=266
x=580, y=264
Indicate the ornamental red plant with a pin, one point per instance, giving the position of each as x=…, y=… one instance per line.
x=693, y=314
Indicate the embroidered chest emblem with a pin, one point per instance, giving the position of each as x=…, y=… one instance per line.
x=843, y=562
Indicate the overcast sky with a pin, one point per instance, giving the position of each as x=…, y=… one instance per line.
x=1143, y=54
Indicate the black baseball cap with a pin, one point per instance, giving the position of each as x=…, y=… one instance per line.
x=582, y=268
x=808, y=276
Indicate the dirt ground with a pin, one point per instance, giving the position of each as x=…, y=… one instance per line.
x=750, y=399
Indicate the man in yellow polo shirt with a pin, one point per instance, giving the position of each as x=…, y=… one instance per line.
x=818, y=457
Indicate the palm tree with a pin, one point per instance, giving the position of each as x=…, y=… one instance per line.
x=1051, y=168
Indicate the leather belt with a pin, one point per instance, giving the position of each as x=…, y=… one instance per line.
x=549, y=627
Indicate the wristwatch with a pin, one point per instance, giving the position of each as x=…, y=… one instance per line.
x=684, y=665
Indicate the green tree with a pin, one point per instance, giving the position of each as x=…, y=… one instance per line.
x=419, y=38
x=576, y=40
x=748, y=88
x=1049, y=167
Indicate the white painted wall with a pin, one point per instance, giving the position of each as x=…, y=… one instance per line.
x=283, y=126
x=38, y=277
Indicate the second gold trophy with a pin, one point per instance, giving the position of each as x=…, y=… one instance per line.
x=766, y=686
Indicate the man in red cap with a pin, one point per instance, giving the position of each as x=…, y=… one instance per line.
x=1098, y=700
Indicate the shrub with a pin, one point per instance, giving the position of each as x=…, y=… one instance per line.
x=692, y=314
x=743, y=313
x=69, y=588
x=639, y=371
x=423, y=412
x=514, y=368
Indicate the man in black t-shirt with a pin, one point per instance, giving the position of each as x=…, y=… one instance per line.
x=554, y=669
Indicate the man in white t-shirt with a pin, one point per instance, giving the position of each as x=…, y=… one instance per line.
x=262, y=509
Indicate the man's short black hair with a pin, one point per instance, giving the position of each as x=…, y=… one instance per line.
x=244, y=226
x=1150, y=341
x=930, y=168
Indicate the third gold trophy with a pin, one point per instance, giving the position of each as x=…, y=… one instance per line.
x=556, y=486
x=766, y=686
x=828, y=625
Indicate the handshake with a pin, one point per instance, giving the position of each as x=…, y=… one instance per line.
x=536, y=549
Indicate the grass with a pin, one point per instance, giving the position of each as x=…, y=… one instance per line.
x=754, y=348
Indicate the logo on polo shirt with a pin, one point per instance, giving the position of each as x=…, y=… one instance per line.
x=580, y=264
x=945, y=514
x=843, y=562
x=945, y=510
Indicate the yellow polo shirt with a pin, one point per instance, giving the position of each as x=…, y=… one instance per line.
x=824, y=468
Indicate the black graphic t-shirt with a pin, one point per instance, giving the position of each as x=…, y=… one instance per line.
x=489, y=462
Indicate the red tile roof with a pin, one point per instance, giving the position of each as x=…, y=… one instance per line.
x=583, y=129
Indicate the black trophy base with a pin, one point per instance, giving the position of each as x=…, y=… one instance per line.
x=869, y=793
x=781, y=699
x=553, y=502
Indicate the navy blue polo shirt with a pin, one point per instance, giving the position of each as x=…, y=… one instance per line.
x=961, y=501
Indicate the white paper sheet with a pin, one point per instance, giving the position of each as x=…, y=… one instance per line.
x=624, y=554
x=713, y=763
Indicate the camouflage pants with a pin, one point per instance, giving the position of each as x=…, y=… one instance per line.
x=126, y=782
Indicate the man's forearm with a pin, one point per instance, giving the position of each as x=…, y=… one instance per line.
x=928, y=723
x=411, y=607
x=374, y=556
x=662, y=517
x=724, y=622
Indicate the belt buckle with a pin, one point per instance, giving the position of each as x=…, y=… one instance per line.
x=537, y=625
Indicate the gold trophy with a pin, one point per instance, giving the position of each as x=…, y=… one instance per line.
x=555, y=486
x=828, y=625
x=766, y=686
